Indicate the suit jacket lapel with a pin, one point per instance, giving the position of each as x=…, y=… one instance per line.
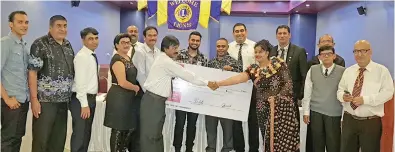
x=290, y=54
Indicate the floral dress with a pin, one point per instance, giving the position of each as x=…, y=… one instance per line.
x=277, y=121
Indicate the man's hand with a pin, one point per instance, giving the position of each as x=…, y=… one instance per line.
x=213, y=85
x=228, y=68
x=36, y=107
x=306, y=119
x=85, y=112
x=347, y=97
x=12, y=103
x=357, y=101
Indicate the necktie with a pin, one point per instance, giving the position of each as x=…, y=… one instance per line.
x=356, y=92
x=240, y=58
x=97, y=74
x=326, y=72
x=282, y=53
x=133, y=51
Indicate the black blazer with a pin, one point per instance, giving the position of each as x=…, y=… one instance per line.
x=297, y=64
x=339, y=61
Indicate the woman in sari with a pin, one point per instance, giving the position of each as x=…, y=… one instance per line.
x=275, y=108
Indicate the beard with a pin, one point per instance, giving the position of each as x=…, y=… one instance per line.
x=193, y=48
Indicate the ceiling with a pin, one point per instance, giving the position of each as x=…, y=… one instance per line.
x=259, y=7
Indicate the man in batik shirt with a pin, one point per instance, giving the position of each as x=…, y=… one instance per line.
x=191, y=55
x=225, y=62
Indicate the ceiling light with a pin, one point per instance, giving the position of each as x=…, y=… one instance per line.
x=307, y=5
x=131, y=3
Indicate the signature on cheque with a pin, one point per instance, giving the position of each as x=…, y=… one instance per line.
x=197, y=101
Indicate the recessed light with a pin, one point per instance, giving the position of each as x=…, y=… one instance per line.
x=131, y=3
x=296, y=11
x=264, y=11
x=307, y=5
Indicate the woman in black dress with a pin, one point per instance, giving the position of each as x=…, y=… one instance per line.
x=120, y=113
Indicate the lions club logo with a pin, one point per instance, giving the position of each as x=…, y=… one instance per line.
x=183, y=13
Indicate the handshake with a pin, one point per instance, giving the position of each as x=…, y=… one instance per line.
x=213, y=85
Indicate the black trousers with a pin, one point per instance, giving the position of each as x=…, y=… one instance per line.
x=253, y=131
x=181, y=117
x=13, y=126
x=134, y=142
x=119, y=140
x=325, y=132
x=49, y=130
x=82, y=128
x=360, y=134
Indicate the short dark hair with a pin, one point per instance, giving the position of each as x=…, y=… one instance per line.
x=119, y=37
x=12, y=15
x=195, y=33
x=324, y=48
x=55, y=18
x=88, y=30
x=239, y=24
x=223, y=39
x=167, y=41
x=149, y=28
x=265, y=45
x=283, y=27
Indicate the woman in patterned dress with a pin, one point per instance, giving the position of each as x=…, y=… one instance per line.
x=276, y=115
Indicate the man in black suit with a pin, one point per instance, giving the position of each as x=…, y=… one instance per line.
x=296, y=60
x=327, y=40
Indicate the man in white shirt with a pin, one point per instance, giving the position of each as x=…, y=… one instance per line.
x=133, y=31
x=146, y=54
x=158, y=88
x=363, y=90
x=85, y=88
x=242, y=49
x=322, y=111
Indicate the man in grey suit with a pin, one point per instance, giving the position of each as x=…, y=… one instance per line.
x=296, y=59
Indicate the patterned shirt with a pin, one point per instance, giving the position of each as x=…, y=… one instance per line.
x=226, y=60
x=199, y=59
x=55, y=68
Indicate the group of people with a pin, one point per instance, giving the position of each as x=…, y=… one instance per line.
x=53, y=79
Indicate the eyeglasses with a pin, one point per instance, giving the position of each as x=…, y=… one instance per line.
x=326, y=54
x=125, y=43
x=362, y=51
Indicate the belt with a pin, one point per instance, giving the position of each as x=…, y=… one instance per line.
x=361, y=118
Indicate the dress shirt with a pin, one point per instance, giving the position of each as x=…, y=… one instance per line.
x=163, y=70
x=285, y=53
x=377, y=89
x=85, y=79
x=143, y=59
x=136, y=47
x=247, y=52
x=14, y=60
x=307, y=89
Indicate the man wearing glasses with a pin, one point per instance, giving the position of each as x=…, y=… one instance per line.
x=322, y=110
x=363, y=90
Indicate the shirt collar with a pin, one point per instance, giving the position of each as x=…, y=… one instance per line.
x=16, y=39
x=285, y=48
x=53, y=41
x=87, y=50
x=149, y=49
x=330, y=68
x=369, y=67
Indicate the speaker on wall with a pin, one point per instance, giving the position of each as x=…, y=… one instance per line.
x=361, y=10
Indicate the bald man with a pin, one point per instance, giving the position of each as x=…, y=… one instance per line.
x=363, y=90
x=326, y=40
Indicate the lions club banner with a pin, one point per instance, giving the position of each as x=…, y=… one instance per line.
x=183, y=15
